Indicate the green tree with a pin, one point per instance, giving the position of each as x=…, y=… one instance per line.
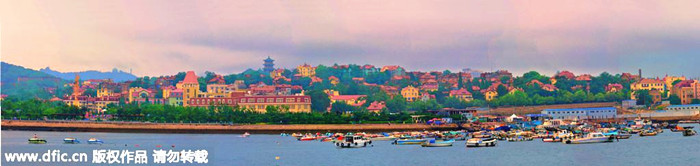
x=319, y=100
x=674, y=99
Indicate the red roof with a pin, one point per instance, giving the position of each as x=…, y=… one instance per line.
x=190, y=78
x=460, y=92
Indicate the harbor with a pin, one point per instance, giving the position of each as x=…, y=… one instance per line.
x=274, y=149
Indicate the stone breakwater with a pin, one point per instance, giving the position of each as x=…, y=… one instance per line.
x=140, y=127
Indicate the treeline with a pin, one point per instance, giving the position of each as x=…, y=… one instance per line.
x=36, y=109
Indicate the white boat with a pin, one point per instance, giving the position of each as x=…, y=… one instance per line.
x=478, y=142
x=71, y=140
x=246, y=134
x=94, y=141
x=353, y=142
x=435, y=143
x=387, y=138
x=596, y=137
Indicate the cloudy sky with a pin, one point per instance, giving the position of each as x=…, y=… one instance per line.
x=163, y=37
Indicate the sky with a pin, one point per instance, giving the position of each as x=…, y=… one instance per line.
x=153, y=37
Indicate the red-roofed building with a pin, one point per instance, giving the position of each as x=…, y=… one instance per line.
x=462, y=94
x=430, y=85
x=376, y=106
x=613, y=88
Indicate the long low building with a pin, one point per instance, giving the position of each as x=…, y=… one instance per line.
x=581, y=113
x=258, y=103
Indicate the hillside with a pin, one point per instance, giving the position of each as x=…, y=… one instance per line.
x=21, y=82
x=115, y=75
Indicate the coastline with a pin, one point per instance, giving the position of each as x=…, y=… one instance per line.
x=139, y=127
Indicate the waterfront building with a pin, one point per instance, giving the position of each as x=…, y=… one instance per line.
x=668, y=82
x=217, y=90
x=175, y=97
x=581, y=113
x=259, y=103
x=410, y=93
x=189, y=86
x=353, y=100
x=686, y=90
x=462, y=94
x=687, y=108
x=306, y=70
x=268, y=65
x=647, y=84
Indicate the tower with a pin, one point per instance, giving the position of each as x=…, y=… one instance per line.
x=269, y=66
x=76, y=85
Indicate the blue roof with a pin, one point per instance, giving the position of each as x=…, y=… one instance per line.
x=580, y=109
x=689, y=105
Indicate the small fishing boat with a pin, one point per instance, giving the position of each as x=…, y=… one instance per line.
x=284, y=134
x=623, y=136
x=552, y=139
x=689, y=132
x=244, y=135
x=386, y=138
x=481, y=142
x=409, y=141
x=307, y=138
x=596, y=137
x=94, y=141
x=297, y=135
x=71, y=140
x=434, y=143
x=327, y=139
x=648, y=133
x=518, y=139
x=36, y=140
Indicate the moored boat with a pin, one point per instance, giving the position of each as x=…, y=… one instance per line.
x=479, y=142
x=244, y=135
x=436, y=143
x=648, y=133
x=518, y=139
x=36, y=140
x=94, y=141
x=409, y=141
x=387, y=138
x=596, y=137
x=71, y=140
x=356, y=141
x=689, y=132
x=307, y=138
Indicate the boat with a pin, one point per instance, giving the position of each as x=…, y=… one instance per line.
x=386, y=138
x=297, y=135
x=284, y=134
x=409, y=141
x=307, y=138
x=435, y=143
x=71, y=140
x=552, y=139
x=596, y=137
x=689, y=132
x=36, y=140
x=617, y=135
x=327, y=139
x=481, y=142
x=518, y=139
x=94, y=141
x=356, y=141
x=648, y=133
x=244, y=135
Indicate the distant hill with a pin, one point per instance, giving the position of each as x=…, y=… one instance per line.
x=115, y=75
x=25, y=83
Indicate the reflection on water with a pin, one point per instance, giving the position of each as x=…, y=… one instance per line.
x=668, y=148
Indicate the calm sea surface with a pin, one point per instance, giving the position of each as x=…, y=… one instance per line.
x=668, y=148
